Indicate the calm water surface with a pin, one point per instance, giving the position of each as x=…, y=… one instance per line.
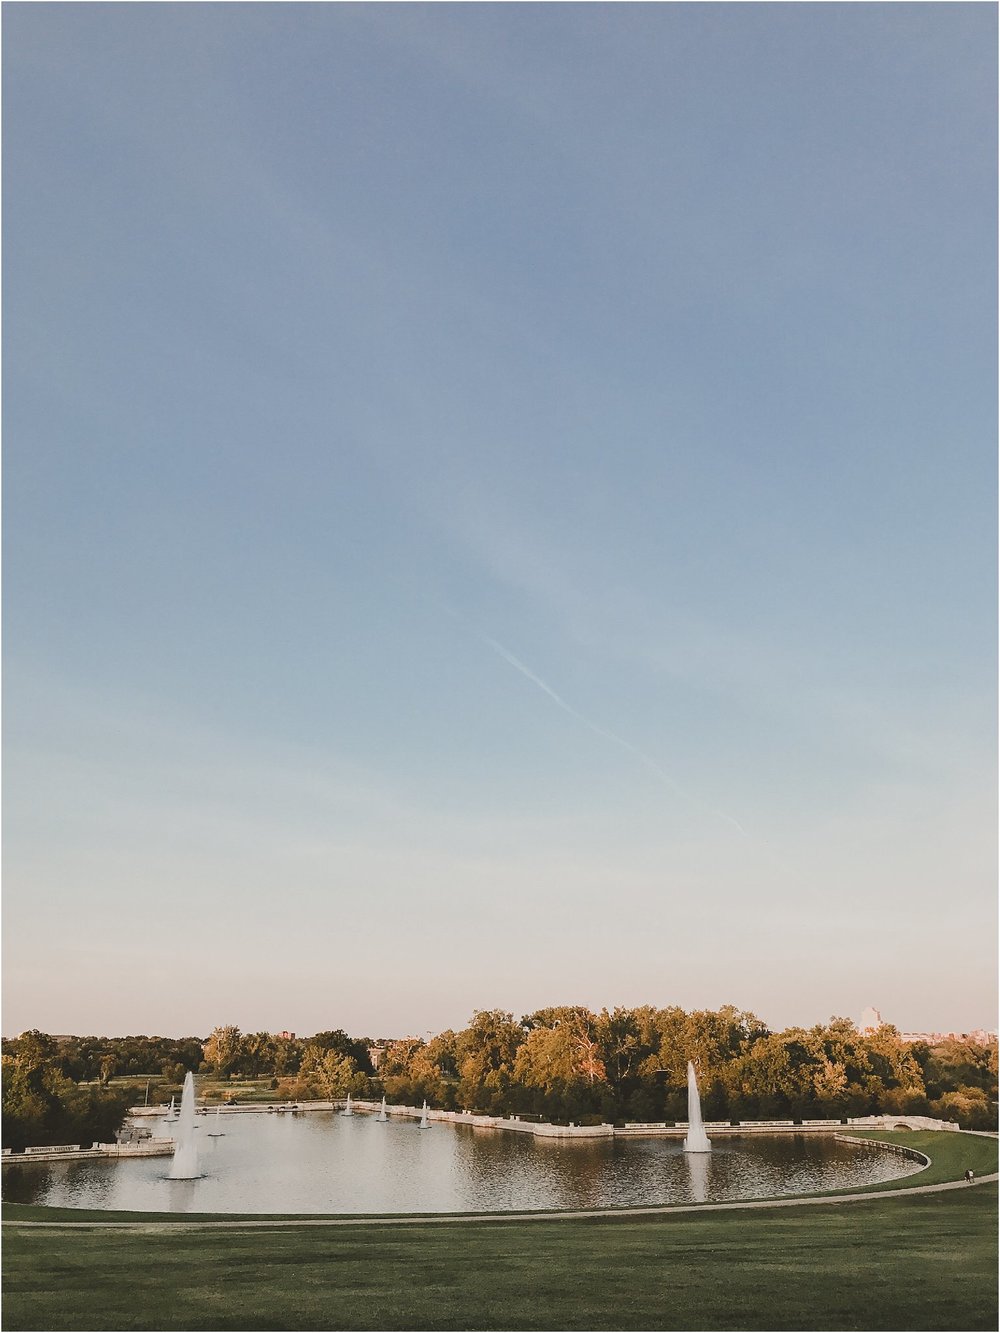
x=321, y=1162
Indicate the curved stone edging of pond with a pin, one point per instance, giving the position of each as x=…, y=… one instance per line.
x=900, y=1149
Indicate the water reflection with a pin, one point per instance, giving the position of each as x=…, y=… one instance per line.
x=698, y=1164
x=321, y=1162
x=184, y=1194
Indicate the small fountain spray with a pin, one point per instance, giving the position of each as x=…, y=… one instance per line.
x=348, y=1109
x=185, y=1163
x=424, y=1123
x=697, y=1140
x=382, y=1115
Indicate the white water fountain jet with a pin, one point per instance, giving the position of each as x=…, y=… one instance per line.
x=185, y=1163
x=382, y=1115
x=348, y=1109
x=697, y=1140
x=217, y=1133
x=424, y=1123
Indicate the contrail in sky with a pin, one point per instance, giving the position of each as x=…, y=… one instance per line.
x=651, y=764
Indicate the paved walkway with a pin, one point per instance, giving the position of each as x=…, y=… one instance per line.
x=432, y=1219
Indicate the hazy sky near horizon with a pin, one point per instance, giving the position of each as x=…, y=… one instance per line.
x=499, y=510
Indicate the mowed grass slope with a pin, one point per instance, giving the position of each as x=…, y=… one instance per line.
x=950, y=1154
x=928, y=1261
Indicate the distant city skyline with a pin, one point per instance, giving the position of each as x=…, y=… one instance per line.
x=500, y=510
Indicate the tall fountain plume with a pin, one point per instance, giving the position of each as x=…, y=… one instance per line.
x=185, y=1163
x=697, y=1139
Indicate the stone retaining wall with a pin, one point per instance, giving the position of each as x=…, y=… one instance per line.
x=898, y=1148
x=543, y=1129
x=147, y=1148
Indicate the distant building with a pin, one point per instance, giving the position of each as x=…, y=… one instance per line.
x=977, y=1037
x=287, y=1036
x=375, y=1054
x=871, y=1019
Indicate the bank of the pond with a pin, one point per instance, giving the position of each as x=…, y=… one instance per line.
x=949, y=1156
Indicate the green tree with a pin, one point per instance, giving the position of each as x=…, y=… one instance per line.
x=340, y=1076
x=411, y=1069
x=558, y=1069
x=354, y=1048
x=287, y=1055
x=329, y=1075
x=485, y=1054
x=30, y=1106
x=41, y=1105
x=224, y=1050
x=968, y=1107
x=624, y=1041
x=257, y=1053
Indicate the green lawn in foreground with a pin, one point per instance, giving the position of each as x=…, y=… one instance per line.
x=924, y=1262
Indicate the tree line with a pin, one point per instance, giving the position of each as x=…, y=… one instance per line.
x=560, y=1063
x=631, y=1064
x=43, y=1105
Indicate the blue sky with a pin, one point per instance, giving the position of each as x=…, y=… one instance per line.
x=499, y=510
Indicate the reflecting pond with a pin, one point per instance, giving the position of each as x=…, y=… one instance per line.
x=322, y=1162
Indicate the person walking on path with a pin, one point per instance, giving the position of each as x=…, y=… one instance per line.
x=970, y=1175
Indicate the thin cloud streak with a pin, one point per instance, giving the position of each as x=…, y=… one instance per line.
x=603, y=732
